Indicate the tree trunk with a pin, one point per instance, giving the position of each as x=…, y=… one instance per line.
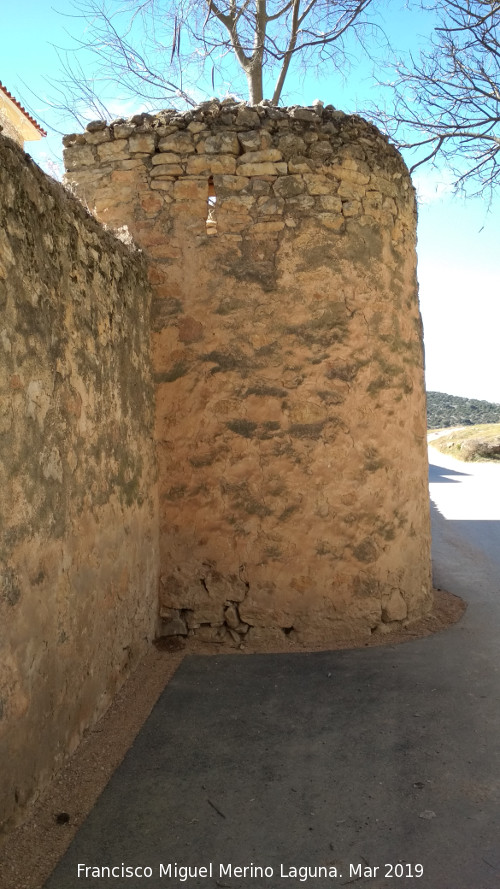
x=254, y=80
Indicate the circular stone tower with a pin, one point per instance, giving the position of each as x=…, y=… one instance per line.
x=287, y=352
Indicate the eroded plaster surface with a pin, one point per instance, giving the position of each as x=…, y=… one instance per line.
x=287, y=349
x=78, y=512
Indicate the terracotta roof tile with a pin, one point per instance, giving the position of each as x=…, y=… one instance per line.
x=32, y=120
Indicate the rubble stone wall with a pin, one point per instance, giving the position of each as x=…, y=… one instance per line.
x=78, y=514
x=287, y=344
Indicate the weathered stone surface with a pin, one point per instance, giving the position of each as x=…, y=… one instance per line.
x=77, y=157
x=394, y=607
x=179, y=143
x=95, y=126
x=166, y=157
x=113, y=150
x=167, y=169
x=96, y=138
x=143, y=142
x=289, y=186
x=247, y=118
x=210, y=164
x=317, y=184
x=174, y=627
x=305, y=114
x=255, y=140
x=258, y=169
x=290, y=421
x=190, y=189
x=300, y=164
x=123, y=130
x=220, y=143
x=258, y=157
x=78, y=514
x=232, y=617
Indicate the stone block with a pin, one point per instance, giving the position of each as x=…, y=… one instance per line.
x=346, y=174
x=292, y=145
x=178, y=142
x=258, y=157
x=231, y=183
x=219, y=143
x=351, y=208
x=165, y=157
x=264, y=227
x=317, y=184
x=196, y=126
x=307, y=114
x=350, y=191
x=142, y=142
x=385, y=186
x=289, y=186
x=116, y=150
x=255, y=140
x=236, y=203
x=123, y=130
x=247, y=118
x=174, y=627
x=232, y=617
x=166, y=170
x=332, y=221
x=300, y=203
x=126, y=177
x=209, y=164
x=394, y=607
x=98, y=137
x=300, y=164
x=78, y=156
x=270, y=206
x=330, y=202
x=163, y=184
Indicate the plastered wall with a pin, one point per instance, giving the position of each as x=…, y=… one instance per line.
x=78, y=513
x=287, y=344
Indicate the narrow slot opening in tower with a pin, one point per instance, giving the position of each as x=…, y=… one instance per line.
x=211, y=204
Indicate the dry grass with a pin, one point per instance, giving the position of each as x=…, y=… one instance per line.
x=477, y=444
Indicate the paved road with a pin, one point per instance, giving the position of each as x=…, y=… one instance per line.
x=465, y=508
x=358, y=761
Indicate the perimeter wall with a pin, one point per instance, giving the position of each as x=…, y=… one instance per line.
x=78, y=512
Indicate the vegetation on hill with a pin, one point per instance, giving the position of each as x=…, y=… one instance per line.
x=450, y=410
x=474, y=444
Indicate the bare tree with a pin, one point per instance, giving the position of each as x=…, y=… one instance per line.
x=149, y=49
x=446, y=102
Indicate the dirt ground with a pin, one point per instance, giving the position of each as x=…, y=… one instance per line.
x=30, y=852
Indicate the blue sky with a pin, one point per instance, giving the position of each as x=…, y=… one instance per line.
x=458, y=255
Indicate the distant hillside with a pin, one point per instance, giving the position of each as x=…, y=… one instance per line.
x=450, y=410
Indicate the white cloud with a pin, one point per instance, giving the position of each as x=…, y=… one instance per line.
x=432, y=185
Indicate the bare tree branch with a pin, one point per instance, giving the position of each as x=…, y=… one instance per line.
x=149, y=47
x=450, y=95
